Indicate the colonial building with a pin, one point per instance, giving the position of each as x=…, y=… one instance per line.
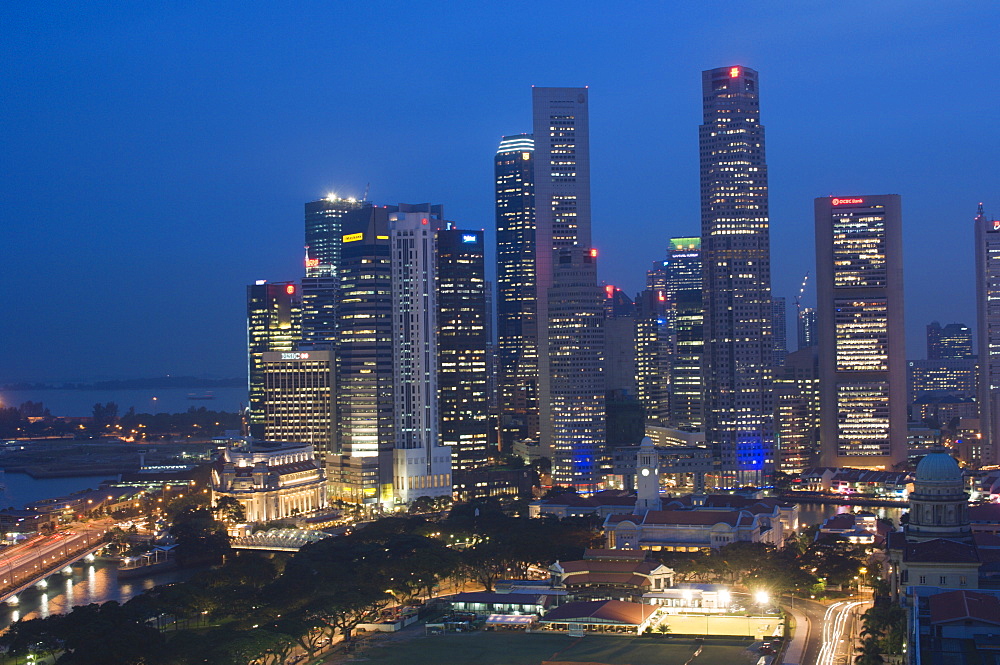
x=270, y=482
x=610, y=575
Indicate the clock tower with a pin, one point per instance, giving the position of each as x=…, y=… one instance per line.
x=647, y=478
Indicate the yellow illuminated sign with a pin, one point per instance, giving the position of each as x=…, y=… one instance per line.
x=354, y=237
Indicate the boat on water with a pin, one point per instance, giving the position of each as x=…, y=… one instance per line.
x=201, y=396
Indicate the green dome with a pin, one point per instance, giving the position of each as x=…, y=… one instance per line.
x=938, y=468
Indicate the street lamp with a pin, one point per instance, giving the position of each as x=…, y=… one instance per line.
x=763, y=598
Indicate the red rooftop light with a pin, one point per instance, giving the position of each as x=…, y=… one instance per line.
x=290, y=289
x=734, y=72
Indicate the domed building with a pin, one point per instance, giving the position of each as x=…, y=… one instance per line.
x=935, y=548
x=939, y=504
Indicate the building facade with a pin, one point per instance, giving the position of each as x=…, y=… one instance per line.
x=298, y=400
x=987, y=241
x=561, y=130
x=421, y=465
x=271, y=483
x=862, y=362
x=517, y=290
x=735, y=241
x=274, y=324
x=949, y=342
x=462, y=345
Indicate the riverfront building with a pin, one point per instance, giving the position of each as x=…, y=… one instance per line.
x=298, y=400
x=987, y=234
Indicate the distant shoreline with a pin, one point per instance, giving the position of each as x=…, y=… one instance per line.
x=132, y=384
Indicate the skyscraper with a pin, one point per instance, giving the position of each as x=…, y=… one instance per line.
x=324, y=241
x=987, y=238
x=620, y=336
x=796, y=411
x=562, y=221
x=683, y=272
x=862, y=361
x=462, y=324
x=780, y=327
x=298, y=400
x=577, y=385
x=653, y=351
x=735, y=246
x=687, y=396
x=952, y=341
x=361, y=473
x=421, y=465
x=274, y=323
x=517, y=290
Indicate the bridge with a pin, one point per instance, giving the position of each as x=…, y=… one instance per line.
x=28, y=564
x=278, y=540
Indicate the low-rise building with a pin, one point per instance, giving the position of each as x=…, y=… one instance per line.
x=603, y=616
x=270, y=482
x=610, y=574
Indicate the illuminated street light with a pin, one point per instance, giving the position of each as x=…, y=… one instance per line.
x=762, y=598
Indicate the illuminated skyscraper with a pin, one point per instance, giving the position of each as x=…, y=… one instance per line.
x=862, y=361
x=796, y=411
x=683, y=272
x=687, y=391
x=324, y=239
x=517, y=290
x=577, y=387
x=462, y=328
x=653, y=348
x=735, y=247
x=421, y=465
x=274, y=323
x=362, y=471
x=298, y=400
x=562, y=221
x=987, y=234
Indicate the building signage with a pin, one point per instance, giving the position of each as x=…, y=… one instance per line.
x=840, y=202
x=354, y=237
x=295, y=356
x=468, y=237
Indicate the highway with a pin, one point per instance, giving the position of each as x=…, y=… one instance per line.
x=831, y=630
x=20, y=564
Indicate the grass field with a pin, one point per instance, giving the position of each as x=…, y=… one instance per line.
x=522, y=649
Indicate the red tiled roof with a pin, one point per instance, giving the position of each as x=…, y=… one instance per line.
x=612, y=611
x=614, y=555
x=605, y=566
x=941, y=550
x=964, y=606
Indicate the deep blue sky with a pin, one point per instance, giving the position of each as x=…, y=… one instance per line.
x=156, y=156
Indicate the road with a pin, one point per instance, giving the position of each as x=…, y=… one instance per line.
x=831, y=630
x=21, y=563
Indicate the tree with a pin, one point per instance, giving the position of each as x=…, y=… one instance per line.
x=198, y=535
x=230, y=510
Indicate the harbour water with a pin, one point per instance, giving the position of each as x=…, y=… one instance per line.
x=77, y=403
x=21, y=489
x=816, y=513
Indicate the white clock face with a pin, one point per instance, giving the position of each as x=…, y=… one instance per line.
x=645, y=472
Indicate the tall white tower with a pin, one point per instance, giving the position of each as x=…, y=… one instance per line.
x=647, y=476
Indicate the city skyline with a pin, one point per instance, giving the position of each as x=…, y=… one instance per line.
x=168, y=225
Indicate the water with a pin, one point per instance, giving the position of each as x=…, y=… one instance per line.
x=95, y=582
x=77, y=403
x=816, y=513
x=23, y=489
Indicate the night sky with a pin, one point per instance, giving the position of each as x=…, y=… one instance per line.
x=156, y=156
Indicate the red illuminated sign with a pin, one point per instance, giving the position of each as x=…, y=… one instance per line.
x=610, y=290
x=734, y=72
x=996, y=224
x=423, y=221
x=840, y=202
x=661, y=296
x=290, y=289
x=312, y=263
x=593, y=252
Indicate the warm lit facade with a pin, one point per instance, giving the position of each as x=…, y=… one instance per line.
x=735, y=242
x=862, y=364
x=796, y=411
x=271, y=483
x=951, y=341
x=274, y=324
x=298, y=400
x=653, y=354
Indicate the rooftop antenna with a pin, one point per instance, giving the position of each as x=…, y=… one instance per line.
x=365, y=197
x=798, y=298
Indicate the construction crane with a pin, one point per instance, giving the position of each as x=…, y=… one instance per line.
x=798, y=298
